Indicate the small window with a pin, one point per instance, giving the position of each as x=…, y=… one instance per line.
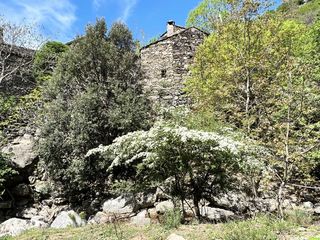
x=163, y=73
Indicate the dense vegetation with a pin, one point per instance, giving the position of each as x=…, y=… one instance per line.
x=260, y=73
x=256, y=99
x=93, y=96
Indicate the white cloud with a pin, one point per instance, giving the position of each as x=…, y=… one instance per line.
x=57, y=17
x=98, y=3
x=127, y=6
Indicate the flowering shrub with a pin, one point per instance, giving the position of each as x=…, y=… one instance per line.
x=198, y=164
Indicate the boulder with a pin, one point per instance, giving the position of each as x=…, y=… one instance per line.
x=15, y=226
x=216, y=214
x=272, y=204
x=307, y=205
x=38, y=222
x=141, y=219
x=165, y=206
x=120, y=205
x=67, y=219
x=28, y=213
x=21, y=151
x=100, y=218
x=232, y=201
x=317, y=210
x=174, y=236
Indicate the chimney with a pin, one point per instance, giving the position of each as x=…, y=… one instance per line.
x=170, y=28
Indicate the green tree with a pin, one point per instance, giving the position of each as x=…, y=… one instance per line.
x=46, y=58
x=259, y=73
x=188, y=164
x=93, y=97
x=208, y=14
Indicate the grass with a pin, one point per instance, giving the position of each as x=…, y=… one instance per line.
x=264, y=227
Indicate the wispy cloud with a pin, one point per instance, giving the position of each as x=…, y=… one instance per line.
x=126, y=7
x=57, y=17
x=97, y=3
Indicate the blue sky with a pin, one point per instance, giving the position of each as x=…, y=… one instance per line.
x=64, y=19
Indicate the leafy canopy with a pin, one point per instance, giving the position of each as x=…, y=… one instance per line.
x=93, y=97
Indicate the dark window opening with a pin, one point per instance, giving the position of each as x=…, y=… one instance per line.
x=163, y=73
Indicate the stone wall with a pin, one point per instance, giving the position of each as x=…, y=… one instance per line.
x=166, y=66
x=20, y=81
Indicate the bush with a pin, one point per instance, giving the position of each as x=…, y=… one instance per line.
x=93, y=97
x=171, y=219
x=191, y=164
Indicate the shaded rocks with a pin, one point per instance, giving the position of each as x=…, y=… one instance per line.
x=144, y=200
x=21, y=190
x=216, y=214
x=67, y=219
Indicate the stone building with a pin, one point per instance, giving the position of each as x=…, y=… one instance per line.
x=166, y=63
x=15, y=68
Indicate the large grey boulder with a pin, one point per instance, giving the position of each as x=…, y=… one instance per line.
x=101, y=218
x=141, y=219
x=307, y=205
x=216, y=214
x=317, y=210
x=21, y=150
x=164, y=206
x=119, y=205
x=67, y=219
x=14, y=227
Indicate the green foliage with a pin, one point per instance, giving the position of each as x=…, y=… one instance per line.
x=46, y=59
x=171, y=219
x=299, y=217
x=198, y=164
x=208, y=13
x=93, y=97
x=195, y=119
x=258, y=73
x=17, y=111
x=6, y=172
x=261, y=227
x=306, y=12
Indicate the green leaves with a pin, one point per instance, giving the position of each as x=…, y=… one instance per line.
x=93, y=97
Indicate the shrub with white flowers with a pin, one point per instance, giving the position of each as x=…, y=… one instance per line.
x=198, y=164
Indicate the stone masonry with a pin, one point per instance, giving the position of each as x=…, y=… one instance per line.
x=16, y=77
x=166, y=63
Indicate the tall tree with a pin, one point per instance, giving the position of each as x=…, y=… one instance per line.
x=257, y=72
x=93, y=97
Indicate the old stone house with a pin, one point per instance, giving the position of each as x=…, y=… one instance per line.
x=166, y=63
x=15, y=68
